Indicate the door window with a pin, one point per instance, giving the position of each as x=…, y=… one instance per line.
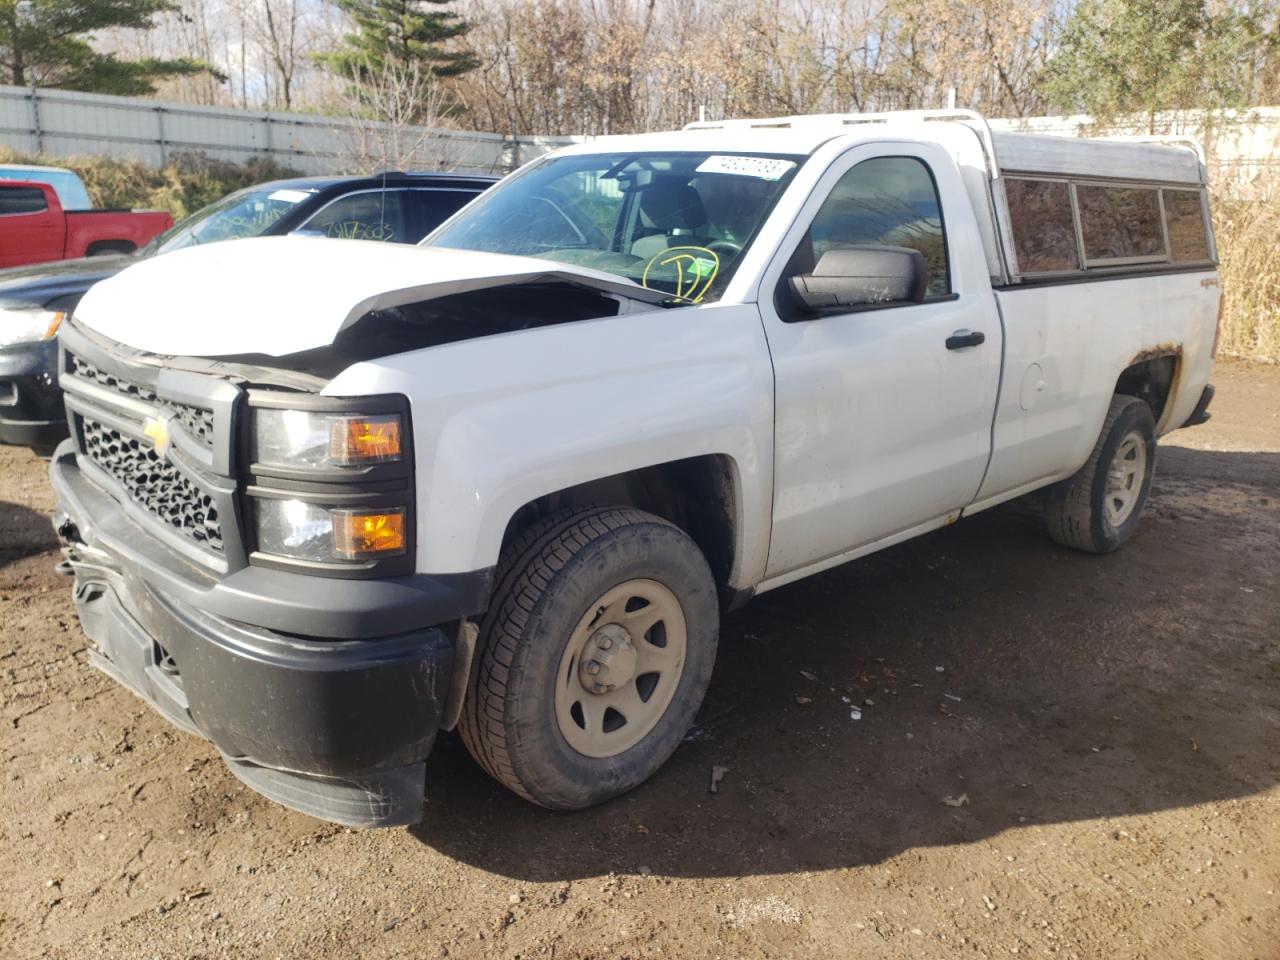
x=372, y=215
x=886, y=201
x=22, y=200
x=430, y=208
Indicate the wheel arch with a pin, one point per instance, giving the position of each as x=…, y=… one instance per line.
x=702, y=495
x=1152, y=376
x=104, y=247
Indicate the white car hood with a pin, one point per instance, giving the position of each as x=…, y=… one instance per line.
x=281, y=295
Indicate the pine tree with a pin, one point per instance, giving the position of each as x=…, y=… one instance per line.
x=47, y=42
x=400, y=35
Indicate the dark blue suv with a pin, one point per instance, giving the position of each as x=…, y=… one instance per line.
x=390, y=207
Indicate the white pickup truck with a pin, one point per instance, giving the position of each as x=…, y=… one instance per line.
x=325, y=499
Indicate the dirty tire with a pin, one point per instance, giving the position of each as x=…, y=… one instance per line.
x=110, y=248
x=1075, y=509
x=548, y=578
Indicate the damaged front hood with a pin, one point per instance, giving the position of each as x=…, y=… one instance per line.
x=281, y=295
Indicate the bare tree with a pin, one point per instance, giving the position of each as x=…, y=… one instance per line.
x=601, y=66
x=280, y=19
x=614, y=66
x=394, y=119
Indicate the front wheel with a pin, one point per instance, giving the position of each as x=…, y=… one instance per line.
x=593, y=658
x=1097, y=508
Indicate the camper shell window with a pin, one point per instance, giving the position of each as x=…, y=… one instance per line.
x=1185, y=224
x=1119, y=225
x=1069, y=226
x=1044, y=230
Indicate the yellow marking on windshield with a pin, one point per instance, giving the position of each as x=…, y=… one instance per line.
x=695, y=269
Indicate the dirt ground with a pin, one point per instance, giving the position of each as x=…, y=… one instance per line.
x=1057, y=755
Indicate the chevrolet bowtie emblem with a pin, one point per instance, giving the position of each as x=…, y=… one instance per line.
x=156, y=429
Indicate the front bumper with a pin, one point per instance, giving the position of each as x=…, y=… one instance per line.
x=31, y=411
x=337, y=728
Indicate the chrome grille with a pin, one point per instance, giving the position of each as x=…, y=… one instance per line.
x=83, y=368
x=153, y=483
x=198, y=421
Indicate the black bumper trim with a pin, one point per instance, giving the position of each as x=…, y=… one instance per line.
x=42, y=434
x=392, y=798
x=1201, y=413
x=31, y=413
x=338, y=730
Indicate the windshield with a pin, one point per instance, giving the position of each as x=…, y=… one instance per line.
x=673, y=222
x=71, y=192
x=249, y=213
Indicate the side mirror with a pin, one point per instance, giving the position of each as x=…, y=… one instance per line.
x=862, y=276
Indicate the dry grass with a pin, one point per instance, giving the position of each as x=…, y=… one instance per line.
x=1248, y=233
x=188, y=182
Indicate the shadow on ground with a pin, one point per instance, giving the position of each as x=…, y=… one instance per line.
x=992, y=667
x=23, y=533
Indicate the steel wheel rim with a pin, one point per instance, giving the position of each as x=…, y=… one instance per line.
x=632, y=643
x=1125, y=477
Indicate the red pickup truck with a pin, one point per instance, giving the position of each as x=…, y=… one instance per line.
x=35, y=227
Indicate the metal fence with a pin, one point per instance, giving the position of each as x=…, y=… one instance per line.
x=69, y=123
x=1242, y=146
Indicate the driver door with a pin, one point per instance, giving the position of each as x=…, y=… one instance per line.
x=881, y=428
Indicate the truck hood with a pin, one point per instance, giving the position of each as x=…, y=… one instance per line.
x=277, y=296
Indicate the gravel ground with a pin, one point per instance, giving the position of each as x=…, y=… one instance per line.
x=1057, y=755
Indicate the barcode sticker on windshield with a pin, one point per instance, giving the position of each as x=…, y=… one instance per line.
x=763, y=168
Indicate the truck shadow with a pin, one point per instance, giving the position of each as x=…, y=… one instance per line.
x=1002, y=682
x=23, y=533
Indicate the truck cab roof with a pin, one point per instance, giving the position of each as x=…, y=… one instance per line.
x=7, y=170
x=1170, y=159
x=966, y=133
x=66, y=184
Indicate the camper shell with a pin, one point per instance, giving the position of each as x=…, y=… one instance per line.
x=989, y=159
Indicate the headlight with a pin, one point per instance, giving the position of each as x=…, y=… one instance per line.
x=311, y=531
x=300, y=438
x=28, y=324
x=332, y=486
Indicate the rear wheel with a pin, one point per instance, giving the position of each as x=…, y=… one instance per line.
x=594, y=657
x=1097, y=509
x=110, y=248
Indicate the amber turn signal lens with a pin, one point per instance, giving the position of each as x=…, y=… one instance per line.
x=360, y=536
x=55, y=322
x=355, y=440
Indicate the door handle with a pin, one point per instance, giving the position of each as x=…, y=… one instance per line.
x=965, y=338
